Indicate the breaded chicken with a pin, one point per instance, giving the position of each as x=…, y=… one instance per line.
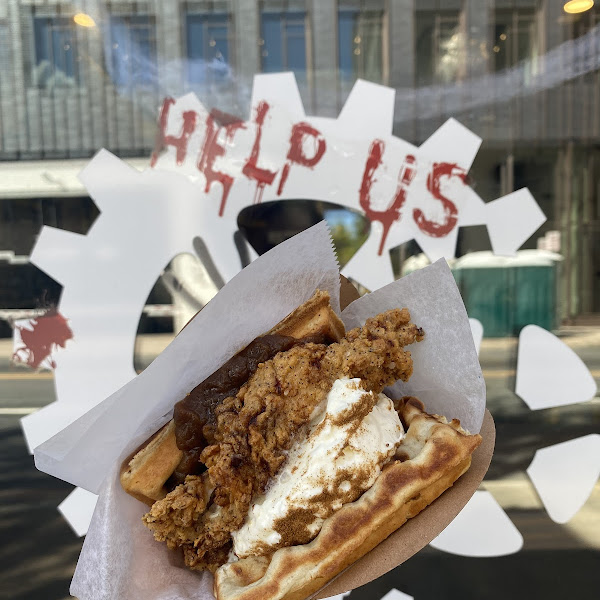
x=257, y=426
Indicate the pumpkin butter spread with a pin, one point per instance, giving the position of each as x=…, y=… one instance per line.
x=259, y=443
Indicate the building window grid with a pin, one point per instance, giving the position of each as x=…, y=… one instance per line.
x=580, y=27
x=292, y=27
x=210, y=60
x=448, y=47
x=132, y=51
x=55, y=52
x=589, y=80
x=366, y=50
x=440, y=37
x=515, y=39
x=584, y=23
x=5, y=55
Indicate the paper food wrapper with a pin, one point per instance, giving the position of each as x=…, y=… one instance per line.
x=120, y=558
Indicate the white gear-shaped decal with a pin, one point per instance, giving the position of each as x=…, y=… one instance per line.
x=278, y=154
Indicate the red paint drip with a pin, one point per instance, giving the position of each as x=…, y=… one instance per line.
x=48, y=333
x=284, y=175
x=393, y=212
x=296, y=155
x=180, y=143
x=432, y=228
x=224, y=119
x=211, y=150
x=263, y=177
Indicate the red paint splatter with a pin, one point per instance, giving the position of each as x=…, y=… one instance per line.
x=211, y=150
x=393, y=212
x=262, y=177
x=295, y=154
x=180, y=143
x=48, y=333
x=439, y=171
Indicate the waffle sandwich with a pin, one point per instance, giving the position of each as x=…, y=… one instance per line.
x=306, y=428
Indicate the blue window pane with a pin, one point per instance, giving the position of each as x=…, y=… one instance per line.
x=207, y=47
x=54, y=50
x=218, y=47
x=296, y=46
x=272, y=56
x=284, y=45
x=120, y=51
x=133, y=50
x=295, y=29
x=346, y=24
x=62, y=50
x=142, y=39
x=143, y=48
x=40, y=32
x=296, y=54
x=195, y=42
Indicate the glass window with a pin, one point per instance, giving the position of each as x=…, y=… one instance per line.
x=438, y=41
x=5, y=54
x=283, y=42
x=55, y=52
x=515, y=38
x=522, y=76
x=583, y=23
x=132, y=50
x=360, y=45
x=208, y=51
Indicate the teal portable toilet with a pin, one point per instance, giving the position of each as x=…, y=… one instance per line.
x=507, y=293
x=536, y=289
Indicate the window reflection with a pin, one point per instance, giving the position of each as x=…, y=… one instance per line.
x=132, y=50
x=283, y=43
x=208, y=47
x=582, y=23
x=515, y=40
x=360, y=45
x=439, y=47
x=55, y=52
x=585, y=24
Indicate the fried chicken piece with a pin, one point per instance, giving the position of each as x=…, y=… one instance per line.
x=210, y=560
x=174, y=518
x=257, y=426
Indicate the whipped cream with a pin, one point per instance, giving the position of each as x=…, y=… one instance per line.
x=341, y=456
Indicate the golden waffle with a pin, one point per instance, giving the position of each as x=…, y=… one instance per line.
x=432, y=456
x=144, y=475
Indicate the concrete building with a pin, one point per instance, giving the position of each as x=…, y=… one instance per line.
x=521, y=74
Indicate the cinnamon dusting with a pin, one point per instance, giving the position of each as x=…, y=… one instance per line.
x=301, y=525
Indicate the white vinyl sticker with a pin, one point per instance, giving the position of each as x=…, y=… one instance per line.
x=511, y=220
x=564, y=475
x=77, y=508
x=396, y=595
x=549, y=373
x=477, y=331
x=481, y=528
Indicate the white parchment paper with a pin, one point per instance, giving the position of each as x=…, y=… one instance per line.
x=446, y=377
x=120, y=558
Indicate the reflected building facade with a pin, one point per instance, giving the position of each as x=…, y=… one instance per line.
x=521, y=74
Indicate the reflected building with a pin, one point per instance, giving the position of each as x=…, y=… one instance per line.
x=521, y=74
